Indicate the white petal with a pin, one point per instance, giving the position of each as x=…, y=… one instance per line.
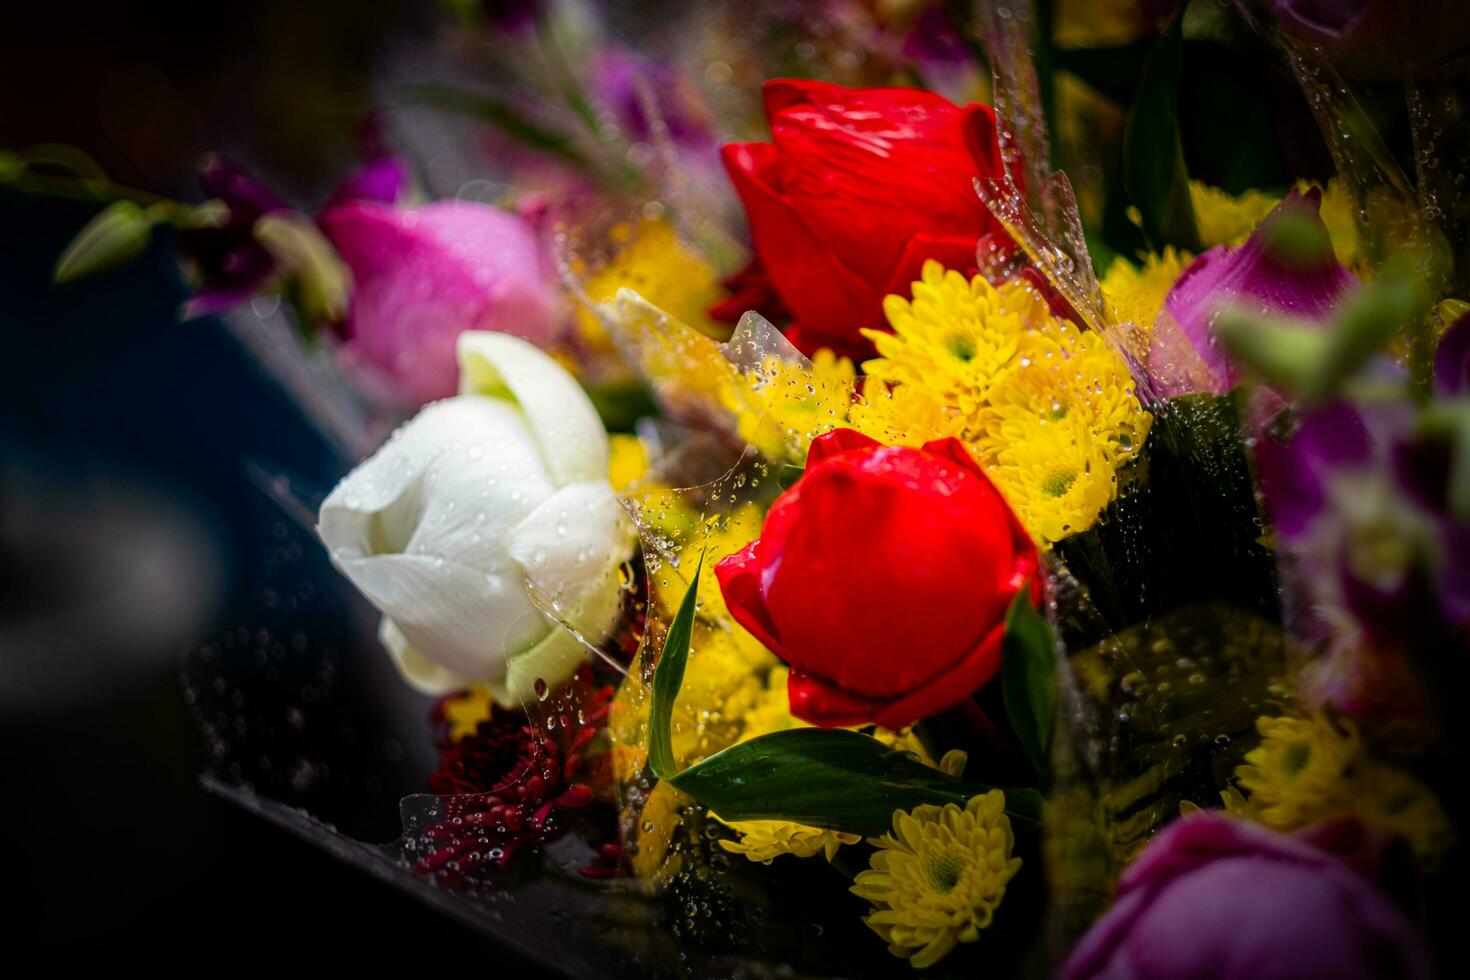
x=467, y=621
x=451, y=482
x=571, y=547
x=421, y=673
x=545, y=666
x=560, y=415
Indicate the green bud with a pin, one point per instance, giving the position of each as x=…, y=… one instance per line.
x=305, y=256
x=1284, y=354
x=118, y=233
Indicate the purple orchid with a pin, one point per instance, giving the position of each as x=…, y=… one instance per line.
x=1259, y=277
x=1214, y=897
x=226, y=260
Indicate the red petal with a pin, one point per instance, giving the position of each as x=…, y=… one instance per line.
x=739, y=577
x=829, y=444
x=811, y=282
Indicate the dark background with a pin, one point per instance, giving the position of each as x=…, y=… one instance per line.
x=129, y=533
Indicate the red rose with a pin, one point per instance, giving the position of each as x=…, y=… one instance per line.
x=882, y=577
x=857, y=188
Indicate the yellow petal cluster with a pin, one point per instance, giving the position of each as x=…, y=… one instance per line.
x=1135, y=293
x=780, y=406
x=937, y=878
x=1308, y=769
x=765, y=840
x=650, y=259
x=1047, y=409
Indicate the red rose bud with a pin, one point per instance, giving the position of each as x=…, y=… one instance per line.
x=857, y=188
x=883, y=577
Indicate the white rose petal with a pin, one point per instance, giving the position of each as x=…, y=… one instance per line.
x=475, y=510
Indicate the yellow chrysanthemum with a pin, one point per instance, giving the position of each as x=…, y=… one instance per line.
x=898, y=415
x=781, y=406
x=1308, y=769
x=720, y=688
x=1227, y=219
x=464, y=712
x=952, y=762
x=1390, y=798
x=955, y=336
x=1135, y=293
x=1063, y=373
x=723, y=535
x=765, y=840
x=1055, y=475
x=1047, y=409
x=1293, y=776
x=938, y=877
x=650, y=259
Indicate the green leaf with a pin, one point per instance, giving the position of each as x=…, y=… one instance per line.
x=668, y=677
x=832, y=778
x=1028, y=678
x=1153, y=154
x=117, y=233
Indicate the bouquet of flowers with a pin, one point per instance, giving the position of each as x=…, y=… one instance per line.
x=834, y=540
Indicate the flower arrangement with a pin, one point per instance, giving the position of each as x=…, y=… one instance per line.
x=812, y=514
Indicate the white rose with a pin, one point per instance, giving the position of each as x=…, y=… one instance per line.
x=472, y=507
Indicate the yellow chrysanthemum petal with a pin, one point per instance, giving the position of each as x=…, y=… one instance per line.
x=937, y=879
x=651, y=260
x=781, y=406
x=1047, y=409
x=1135, y=293
x=765, y=840
x=1308, y=769
x=464, y=712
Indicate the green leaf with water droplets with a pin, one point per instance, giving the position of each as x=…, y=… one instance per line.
x=668, y=677
x=831, y=778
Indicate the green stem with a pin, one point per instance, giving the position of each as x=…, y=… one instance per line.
x=88, y=187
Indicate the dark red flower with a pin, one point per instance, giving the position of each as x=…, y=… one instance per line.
x=883, y=577
x=857, y=188
x=515, y=783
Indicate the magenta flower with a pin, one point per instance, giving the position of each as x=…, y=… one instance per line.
x=424, y=275
x=1259, y=277
x=1216, y=898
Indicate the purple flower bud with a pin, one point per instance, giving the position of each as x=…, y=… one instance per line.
x=228, y=264
x=422, y=276
x=1216, y=897
x=383, y=181
x=1273, y=274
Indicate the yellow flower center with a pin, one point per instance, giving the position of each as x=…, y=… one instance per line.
x=943, y=872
